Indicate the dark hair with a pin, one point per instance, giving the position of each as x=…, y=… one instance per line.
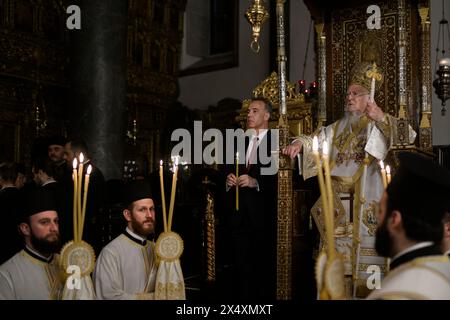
x=267, y=103
x=415, y=228
x=446, y=217
x=8, y=171
x=44, y=164
x=56, y=140
x=78, y=145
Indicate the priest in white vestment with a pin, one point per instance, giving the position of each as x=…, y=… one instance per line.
x=410, y=232
x=365, y=129
x=126, y=268
x=34, y=272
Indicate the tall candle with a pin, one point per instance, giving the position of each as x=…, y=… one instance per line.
x=163, y=197
x=372, y=90
x=388, y=174
x=75, y=193
x=173, y=192
x=237, y=178
x=83, y=212
x=323, y=192
x=383, y=174
x=80, y=184
x=330, y=197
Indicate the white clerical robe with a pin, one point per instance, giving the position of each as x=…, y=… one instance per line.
x=126, y=269
x=354, y=234
x=29, y=276
x=424, y=278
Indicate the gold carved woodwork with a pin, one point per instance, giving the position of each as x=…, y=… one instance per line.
x=299, y=112
x=154, y=49
x=350, y=41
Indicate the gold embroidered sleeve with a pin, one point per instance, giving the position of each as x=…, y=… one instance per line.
x=385, y=125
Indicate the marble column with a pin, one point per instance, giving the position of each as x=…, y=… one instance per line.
x=99, y=81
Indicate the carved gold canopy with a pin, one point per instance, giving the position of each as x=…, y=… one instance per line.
x=300, y=114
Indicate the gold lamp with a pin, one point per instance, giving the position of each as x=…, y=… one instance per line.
x=441, y=83
x=256, y=15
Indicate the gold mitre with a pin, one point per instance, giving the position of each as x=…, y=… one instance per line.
x=362, y=73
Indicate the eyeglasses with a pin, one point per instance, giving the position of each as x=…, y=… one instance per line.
x=356, y=94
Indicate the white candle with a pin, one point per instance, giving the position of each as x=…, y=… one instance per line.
x=388, y=174
x=75, y=193
x=83, y=212
x=383, y=174
x=163, y=197
x=330, y=198
x=237, y=178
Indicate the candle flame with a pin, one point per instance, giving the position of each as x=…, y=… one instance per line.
x=325, y=148
x=81, y=157
x=388, y=169
x=160, y=162
x=315, y=145
x=89, y=170
x=382, y=164
x=75, y=163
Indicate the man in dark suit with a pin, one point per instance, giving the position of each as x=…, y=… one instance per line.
x=55, y=149
x=254, y=224
x=9, y=211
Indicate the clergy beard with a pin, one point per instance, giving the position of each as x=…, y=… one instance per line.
x=353, y=117
x=143, y=229
x=45, y=246
x=383, y=241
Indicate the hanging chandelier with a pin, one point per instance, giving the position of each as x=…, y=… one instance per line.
x=442, y=63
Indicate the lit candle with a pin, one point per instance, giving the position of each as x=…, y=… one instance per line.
x=172, y=194
x=80, y=183
x=75, y=193
x=372, y=90
x=388, y=174
x=163, y=197
x=326, y=166
x=237, y=178
x=383, y=174
x=444, y=62
x=83, y=212
x=315, y=148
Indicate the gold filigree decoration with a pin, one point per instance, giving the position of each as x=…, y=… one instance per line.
x=170, y=291
x=370, y=218
x=80, y=254
x=169, y=246
x=269, y=89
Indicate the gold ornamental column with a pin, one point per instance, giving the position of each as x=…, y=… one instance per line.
x=284, y=218
x=322, y=75
x=425, y=131
x=210, y=238
x=401, y=134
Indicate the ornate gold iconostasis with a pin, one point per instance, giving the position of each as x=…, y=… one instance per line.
x=401, y=49
x=35, y=79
